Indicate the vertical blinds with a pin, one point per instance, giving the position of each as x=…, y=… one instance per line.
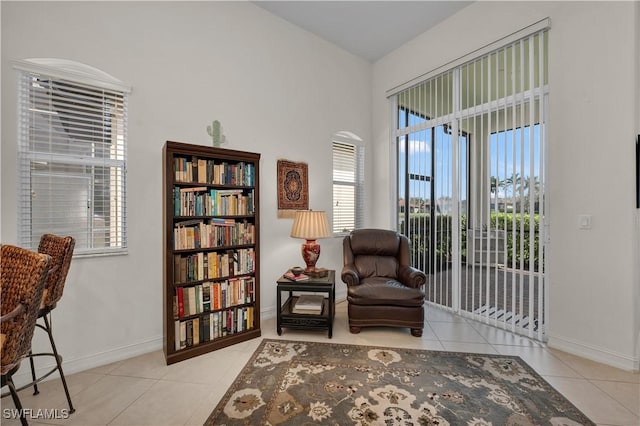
x=72, y=163
x=471, y=177
x=348, y=184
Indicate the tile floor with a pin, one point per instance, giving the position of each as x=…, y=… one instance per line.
x=145, y=391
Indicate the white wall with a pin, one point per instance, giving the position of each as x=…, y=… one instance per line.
x=592, y=275
x=276, y=89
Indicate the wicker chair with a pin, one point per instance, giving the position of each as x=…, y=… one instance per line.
x=23, y=278
x=61, y=251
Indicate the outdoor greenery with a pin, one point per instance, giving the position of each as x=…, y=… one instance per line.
x=515, y=225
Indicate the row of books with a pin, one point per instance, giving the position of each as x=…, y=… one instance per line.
x=210, y=233
x=207, y=327
x=213, y=296
x=204, y=266
x=200, y=170
x=202, y=201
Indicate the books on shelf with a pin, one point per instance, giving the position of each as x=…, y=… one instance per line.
x=211, y=171
x=211, y=326
x=290, y=276
x=211, y=221
x=308, y=304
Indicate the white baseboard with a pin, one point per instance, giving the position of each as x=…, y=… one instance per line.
x=71, y=366
x=594, y=353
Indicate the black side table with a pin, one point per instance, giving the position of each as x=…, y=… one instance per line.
x=323, y=321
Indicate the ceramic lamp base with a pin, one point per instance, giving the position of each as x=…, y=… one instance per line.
x=310, y=254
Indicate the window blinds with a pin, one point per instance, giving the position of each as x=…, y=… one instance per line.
x=72, y=163
x=348, y=183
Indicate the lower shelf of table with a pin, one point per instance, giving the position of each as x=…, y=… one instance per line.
x=289, y=319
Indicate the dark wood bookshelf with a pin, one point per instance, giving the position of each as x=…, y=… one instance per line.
x=237, y=318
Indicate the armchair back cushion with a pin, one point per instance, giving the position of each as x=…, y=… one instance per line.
x=377, y=252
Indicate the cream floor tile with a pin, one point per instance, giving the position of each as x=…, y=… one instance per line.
x=428, y=333
x=540, y=359
x=596, y=371
x=593, y=402
x=105, y=400
x=149, y=366
x=480, y=348
x=429, y=345
x=51, y=393
x=628, y=394
x=164, y=403
x=248, y=346
x=434, y=314
x=105, y=369
x=206, y=369
x=202, y=412
x=497, y=336
x=456, y=332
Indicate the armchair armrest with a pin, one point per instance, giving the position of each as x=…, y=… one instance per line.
x=350, y=275
x=411, y=276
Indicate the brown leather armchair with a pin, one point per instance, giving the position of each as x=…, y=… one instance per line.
x=383, y=289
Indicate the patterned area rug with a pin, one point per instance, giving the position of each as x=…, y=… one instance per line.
x=298, y=383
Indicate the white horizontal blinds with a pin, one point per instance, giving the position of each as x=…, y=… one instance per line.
x=72, y=163
x=479, y=129
x=348, y=186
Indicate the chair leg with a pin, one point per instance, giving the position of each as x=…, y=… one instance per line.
x=354, y=329
x=33, y=374
x=16, y=401
x=416, y=332
x=59, y=364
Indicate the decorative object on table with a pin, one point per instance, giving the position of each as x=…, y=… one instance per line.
x=328, y=383
x=293, y=277
x=293, y=187
x=319, y=273
x=310, y=225
x=215, y=131
x=310, y=304
x=296, y=270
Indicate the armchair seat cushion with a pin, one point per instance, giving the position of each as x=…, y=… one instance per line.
x=384, y=291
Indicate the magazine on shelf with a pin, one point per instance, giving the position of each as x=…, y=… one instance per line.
x=308, y=304
x=290, y=276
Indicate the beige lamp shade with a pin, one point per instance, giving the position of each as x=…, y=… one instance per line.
x=310, y=225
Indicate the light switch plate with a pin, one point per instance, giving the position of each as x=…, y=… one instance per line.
x=584, y=221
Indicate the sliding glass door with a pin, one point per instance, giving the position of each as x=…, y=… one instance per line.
x=470, y=149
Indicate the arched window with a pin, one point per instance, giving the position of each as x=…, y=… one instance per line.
x=72, y=133
x=348, y=182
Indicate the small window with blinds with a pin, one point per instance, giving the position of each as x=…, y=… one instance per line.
x=348, y=186
x=72, y=161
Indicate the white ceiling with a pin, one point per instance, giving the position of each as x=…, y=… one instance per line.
x=369, y=29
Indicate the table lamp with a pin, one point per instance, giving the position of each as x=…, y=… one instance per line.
x=310, y=225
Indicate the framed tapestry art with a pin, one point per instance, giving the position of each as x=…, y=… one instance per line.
x=293, y=187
